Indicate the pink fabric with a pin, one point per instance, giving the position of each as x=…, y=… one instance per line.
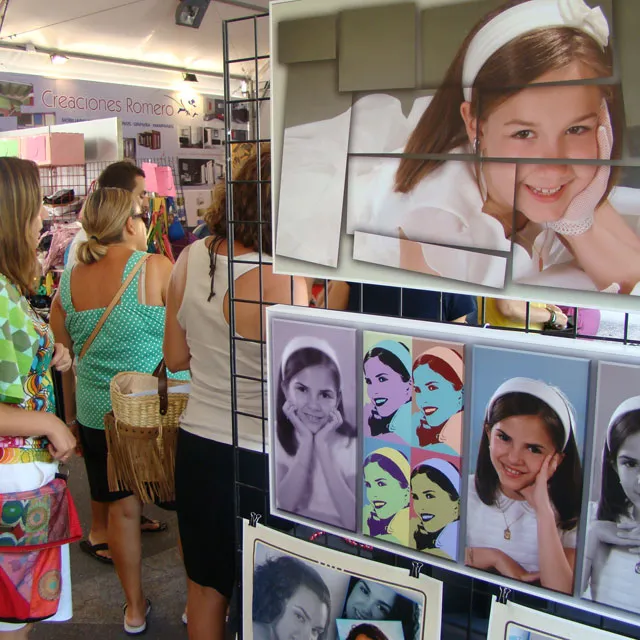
x=588, y=320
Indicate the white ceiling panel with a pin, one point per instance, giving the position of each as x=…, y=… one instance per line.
x=140, y=30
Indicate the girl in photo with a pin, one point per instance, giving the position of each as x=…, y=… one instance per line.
x=438, y=386
x=316, y=447
x=612, y=556
x=366, y=632
x=387, y=374
x=435, y=495
x=371, y=601
x=566, y=226
x=386, y=482
x=290, y=600
x=524, y=499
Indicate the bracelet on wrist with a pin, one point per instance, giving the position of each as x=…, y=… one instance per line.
x=552, y=319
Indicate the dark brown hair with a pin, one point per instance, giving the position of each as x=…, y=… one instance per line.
x=20, y=203
x=249, y=214
x=614, y=502
x=121, y=175
x=520, y=62
x=367, y=630
x=565, y=486
x=277, y=580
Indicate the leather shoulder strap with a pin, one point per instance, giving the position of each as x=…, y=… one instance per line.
x=113, y=303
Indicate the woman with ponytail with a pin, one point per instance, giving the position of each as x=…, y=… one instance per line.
x=129, y=340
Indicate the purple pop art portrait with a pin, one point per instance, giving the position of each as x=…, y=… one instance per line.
x=314, y=440
x=387, y=387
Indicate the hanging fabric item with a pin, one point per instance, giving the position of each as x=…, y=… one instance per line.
x=158, y=236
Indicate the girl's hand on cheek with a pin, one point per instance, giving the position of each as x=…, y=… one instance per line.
x=301, y=428
x=537, y=494
x=579, y=215
x=332, y=425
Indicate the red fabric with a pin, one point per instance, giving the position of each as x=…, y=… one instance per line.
x=38, y=519
x=30, y=585
x=33, y=527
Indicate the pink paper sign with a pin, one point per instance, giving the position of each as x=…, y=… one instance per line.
x=35, y=148
x=166, y=185
x=150, y=180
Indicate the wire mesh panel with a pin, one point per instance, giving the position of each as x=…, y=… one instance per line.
x=466, y=600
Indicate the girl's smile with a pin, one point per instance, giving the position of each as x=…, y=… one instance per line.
x=385, y=387
x=432, y=504
x=435, y=396
x=518, y=446
x=547, y=122
x=384, y=492
x=314, y=396
x=370, y=601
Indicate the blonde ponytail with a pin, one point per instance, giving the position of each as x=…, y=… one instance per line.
x=91, y=251
x=105, y=215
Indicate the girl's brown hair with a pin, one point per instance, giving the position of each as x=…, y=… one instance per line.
x=565, y=486
x=520, y=62
x=246, y=210
x=105, y=215
x=20, y=203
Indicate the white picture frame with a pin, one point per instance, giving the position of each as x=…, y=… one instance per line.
x=336, y=569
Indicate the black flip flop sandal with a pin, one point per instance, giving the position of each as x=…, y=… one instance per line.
x=92, y=550
x=159, y=526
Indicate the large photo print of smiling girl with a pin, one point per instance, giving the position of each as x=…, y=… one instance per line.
x=611, y=559
x=314, y=438
x=524, y=494
x=566, y=215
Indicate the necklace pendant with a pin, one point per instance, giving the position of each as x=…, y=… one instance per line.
x=507, y=535
x=638, y=568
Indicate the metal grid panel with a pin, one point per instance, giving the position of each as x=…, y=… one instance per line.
x=466, y=601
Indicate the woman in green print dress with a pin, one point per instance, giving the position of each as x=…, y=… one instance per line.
x=32, y=439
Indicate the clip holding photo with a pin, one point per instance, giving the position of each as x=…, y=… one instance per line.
x=505, y=592
x=255, y=518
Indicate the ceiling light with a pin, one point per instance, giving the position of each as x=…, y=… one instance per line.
x=191, y=12
x=58, y=58
x=189, y=77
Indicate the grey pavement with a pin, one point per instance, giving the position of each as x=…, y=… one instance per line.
x=97, y=595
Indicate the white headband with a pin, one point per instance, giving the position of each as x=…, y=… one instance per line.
x=446, y=468
x=309, y=342
x=550, y=395
x=630, y=404
x=527, y=17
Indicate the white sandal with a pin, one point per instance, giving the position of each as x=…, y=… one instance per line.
x=136, y=631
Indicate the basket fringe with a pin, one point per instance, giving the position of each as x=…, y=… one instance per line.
x=141, y=460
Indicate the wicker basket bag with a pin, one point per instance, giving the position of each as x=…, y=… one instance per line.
x=142, y=432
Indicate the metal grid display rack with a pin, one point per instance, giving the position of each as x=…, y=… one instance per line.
x=466, y=600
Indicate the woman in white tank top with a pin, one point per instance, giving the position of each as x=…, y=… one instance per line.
x=197, y=337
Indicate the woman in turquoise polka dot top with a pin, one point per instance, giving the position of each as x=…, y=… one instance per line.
x=130, y=340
